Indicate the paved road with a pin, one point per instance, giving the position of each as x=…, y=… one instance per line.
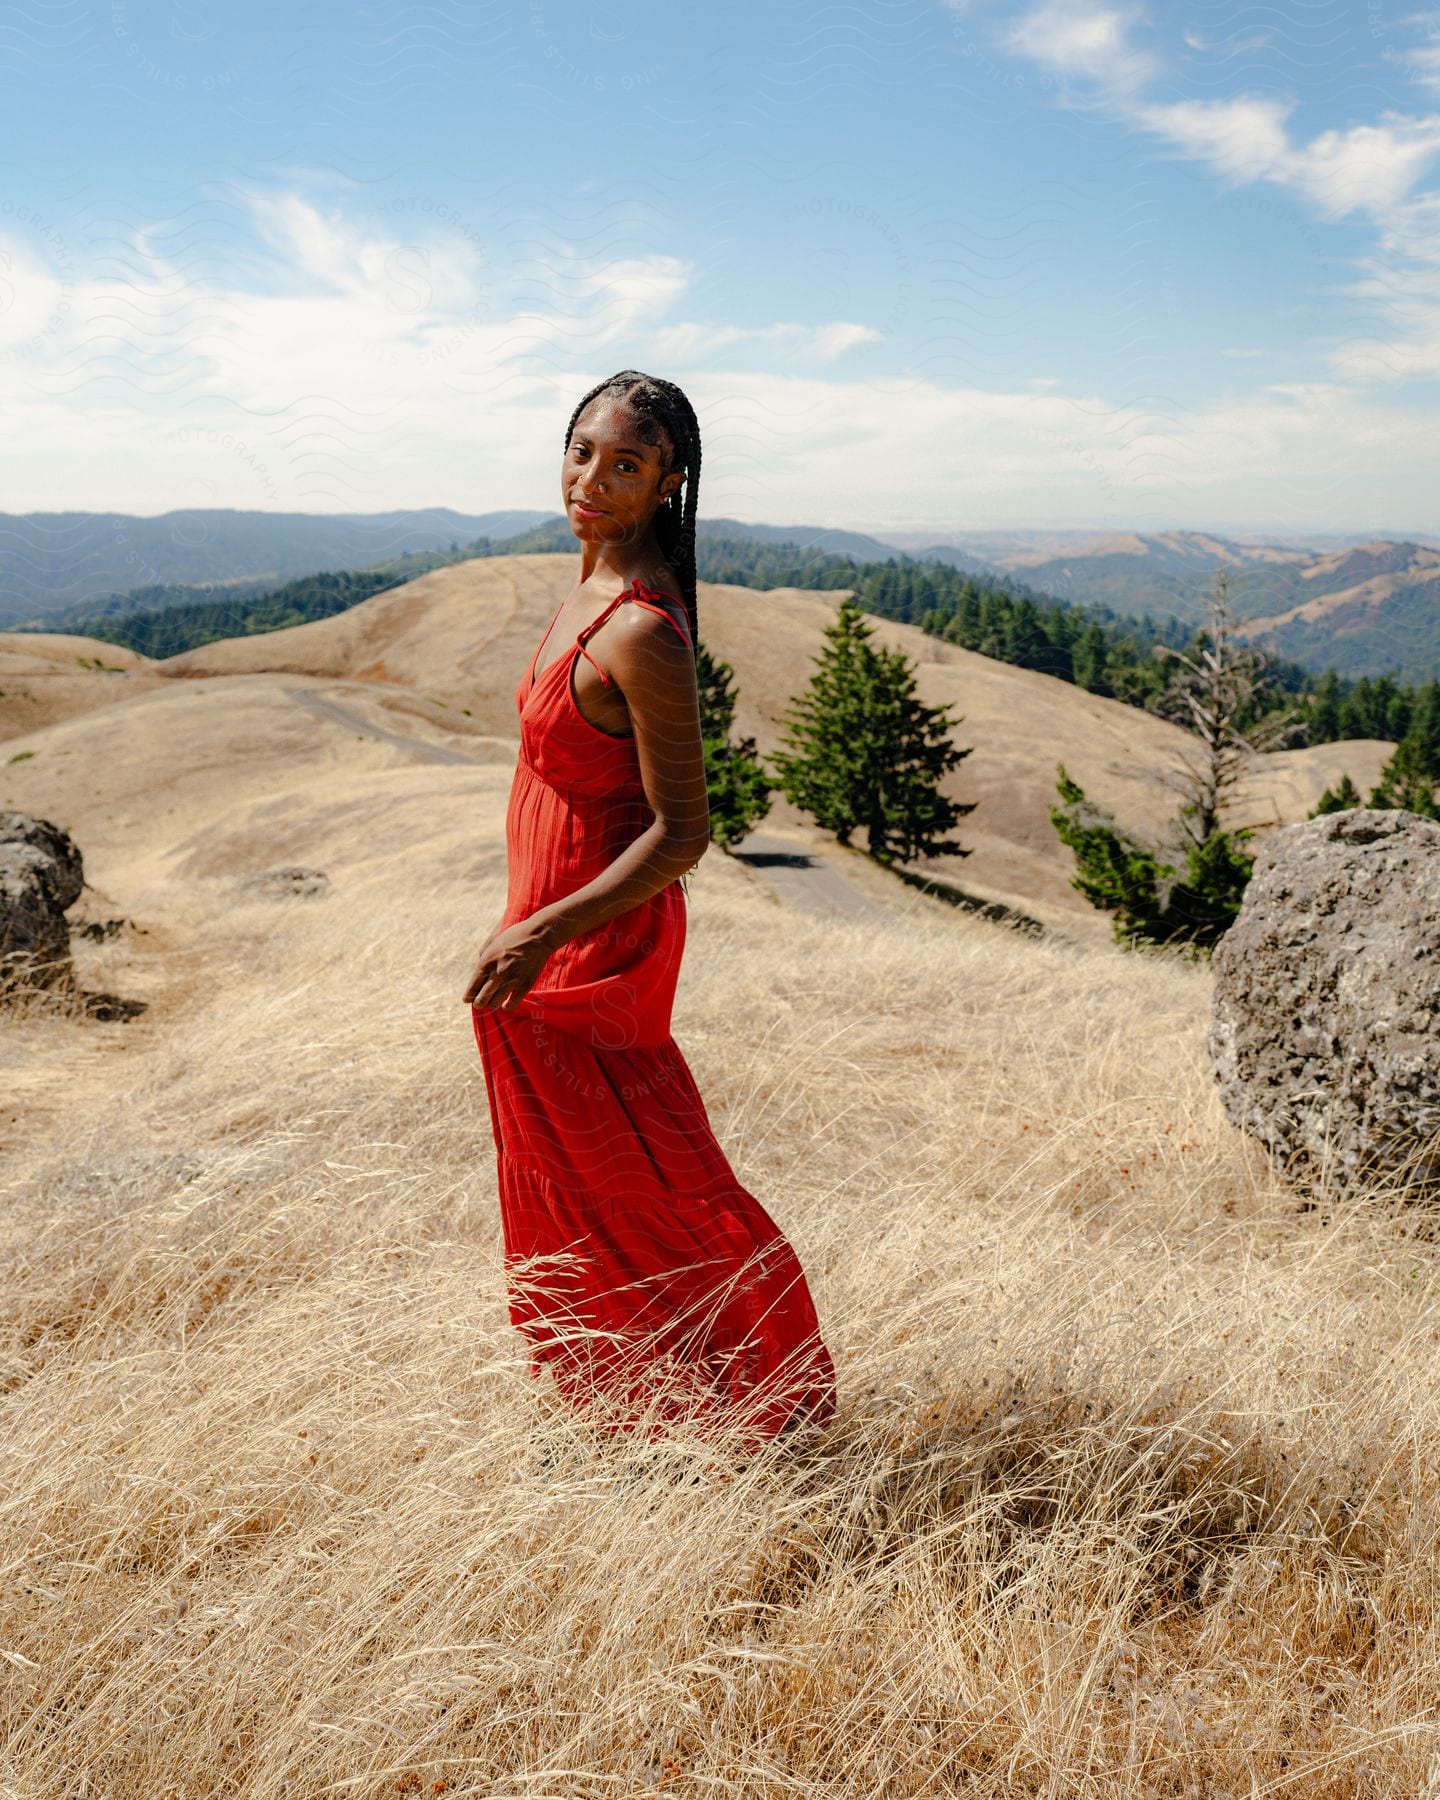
x=337, y=714
x=808, y=882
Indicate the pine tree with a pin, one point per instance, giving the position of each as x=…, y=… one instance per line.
x=828, y=773
x=908, y=814
x=1408, y=779
x=1325, y=710
x=1088, y=661
x=1151, y=901
x=1407, y=782
x=735, y=778
x=1337, y=799
x=1113, y=870
x=1425, y=726
x=866, y=751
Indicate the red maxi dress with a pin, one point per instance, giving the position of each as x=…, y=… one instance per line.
x=630, y=1246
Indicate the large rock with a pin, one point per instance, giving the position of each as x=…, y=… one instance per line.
x=41, y=873
x=1323, y=1033
x=64, y=868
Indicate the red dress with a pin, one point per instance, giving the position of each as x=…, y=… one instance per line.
x=631, y=1248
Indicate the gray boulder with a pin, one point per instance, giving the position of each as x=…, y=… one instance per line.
x=41, y=873
x=64, y=872
x=1323, y=1032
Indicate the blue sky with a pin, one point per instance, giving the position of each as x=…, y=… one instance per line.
x=920, y=266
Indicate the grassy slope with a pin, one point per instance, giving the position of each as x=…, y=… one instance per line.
x=1133, y=1480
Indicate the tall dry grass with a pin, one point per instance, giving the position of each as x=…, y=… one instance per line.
x=1132, y=1491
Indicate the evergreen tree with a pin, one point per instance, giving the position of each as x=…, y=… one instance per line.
x=866, y=751
x=908, y=814
x=825, y=774
x=1152, y=902
x=1423, y=734
x=735, y=777
x=1151, y=899
x=967, y=615
x=1338, y=799
x=1325, y=712
x=1090, y=660
x=1406, y=781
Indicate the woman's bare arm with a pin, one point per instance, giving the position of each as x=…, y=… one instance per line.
x=655, y=670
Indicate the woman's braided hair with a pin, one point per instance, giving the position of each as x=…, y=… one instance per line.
x=660, y=403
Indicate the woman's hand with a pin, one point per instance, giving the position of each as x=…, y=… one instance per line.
x=509, y=964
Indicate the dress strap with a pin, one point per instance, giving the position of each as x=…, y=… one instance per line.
x=595, y=625
x=627, y=594
x=651, y=607
x=544, y=640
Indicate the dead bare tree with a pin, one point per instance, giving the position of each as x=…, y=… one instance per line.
x=1216, y=690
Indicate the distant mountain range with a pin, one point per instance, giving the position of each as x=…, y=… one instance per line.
x=1360, y=607
x=50, y=560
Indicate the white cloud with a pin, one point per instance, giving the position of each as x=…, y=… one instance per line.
x=1242, y=139
x=1083, y=40
x=326, y=249
x=1369, y=167
x=832, y=341
x=1366, y=167
x=1238, y=45
x=1420, y=63
x=1411, y=229
x=324, y=425
x=34, y=299
x=1304, y=456
x=361, y=357
x=686, y=342
x=1305, y=390
x=375, y=364
x=1399, y=286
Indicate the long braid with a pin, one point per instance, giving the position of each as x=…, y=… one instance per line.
x=666, y=405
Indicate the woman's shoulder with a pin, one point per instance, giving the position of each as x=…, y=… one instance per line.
x=654, y=595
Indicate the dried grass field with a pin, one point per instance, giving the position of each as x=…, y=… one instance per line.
x=1133, y=1489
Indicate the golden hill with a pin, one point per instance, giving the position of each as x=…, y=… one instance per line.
x=393, y=725
x=1371, y=574
x=460, y=638
x=46, y=676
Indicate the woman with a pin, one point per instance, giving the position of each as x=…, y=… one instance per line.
x=639, y=1269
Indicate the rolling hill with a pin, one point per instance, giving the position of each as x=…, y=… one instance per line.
x=438, y=661
x=47, y=676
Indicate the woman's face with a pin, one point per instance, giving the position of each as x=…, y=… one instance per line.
x=612, y=481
